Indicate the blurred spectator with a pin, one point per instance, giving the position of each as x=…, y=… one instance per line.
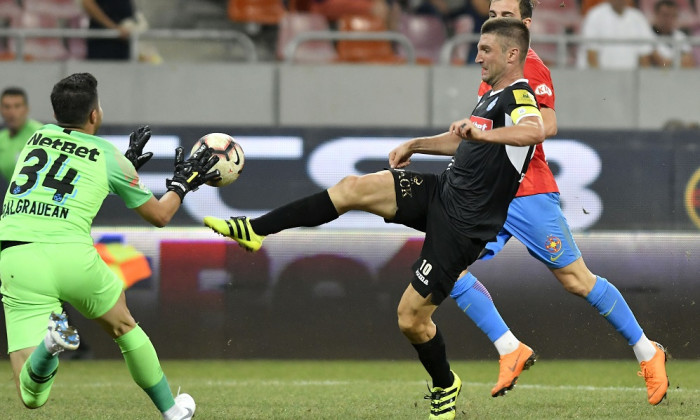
x=14, y=108
x=666, y=25
x=424, y=7
x=110, y=14
x=616, y=20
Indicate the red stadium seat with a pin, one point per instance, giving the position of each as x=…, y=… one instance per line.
x=427, y=34
x=56, y=14
x=42, y=48
x=9, y=9
x=59, y=9
x=77, y=47
x=265, y=12
x=380, y=52
x=292, y=24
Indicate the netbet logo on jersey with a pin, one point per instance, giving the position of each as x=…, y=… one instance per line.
x=482, y=124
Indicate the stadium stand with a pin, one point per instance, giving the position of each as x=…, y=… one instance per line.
x=9, y=12
x=426, y=33
x=9, y=9
x=378, y=52
x=294, y=23
x=40, y=49
x=59, y=9
x=552, y=22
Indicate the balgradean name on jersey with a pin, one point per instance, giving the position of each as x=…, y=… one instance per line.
x=26, y=206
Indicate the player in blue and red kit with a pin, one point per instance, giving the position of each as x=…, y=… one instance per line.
x=535, y=218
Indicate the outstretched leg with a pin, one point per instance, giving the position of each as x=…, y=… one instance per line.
x=373, y=193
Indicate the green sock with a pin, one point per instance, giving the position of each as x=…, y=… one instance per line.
x=143, y=364
x=37, y=376
x=42, y=362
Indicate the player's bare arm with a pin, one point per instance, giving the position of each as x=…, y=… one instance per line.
x=549, y=119
x=444, y=144
x=159, y=212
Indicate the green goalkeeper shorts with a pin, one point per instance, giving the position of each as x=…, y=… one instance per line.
x=37, y=278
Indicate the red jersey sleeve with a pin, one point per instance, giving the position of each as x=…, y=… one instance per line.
x=539, y=79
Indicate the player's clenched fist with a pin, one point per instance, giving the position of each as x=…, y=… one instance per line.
x=463, y=128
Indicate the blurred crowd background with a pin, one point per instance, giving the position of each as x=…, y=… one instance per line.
x=621, y=34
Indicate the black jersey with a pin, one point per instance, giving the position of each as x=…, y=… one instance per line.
x=482, y=179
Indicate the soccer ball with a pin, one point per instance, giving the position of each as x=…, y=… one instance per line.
x=230, y=153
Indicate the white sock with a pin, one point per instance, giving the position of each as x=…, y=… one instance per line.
x=644, y=349
x=174, y=413
x=507, y=343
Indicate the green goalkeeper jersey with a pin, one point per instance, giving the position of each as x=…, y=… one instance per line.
x=60, y=181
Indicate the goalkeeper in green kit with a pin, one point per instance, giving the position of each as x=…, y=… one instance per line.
x=47, y=256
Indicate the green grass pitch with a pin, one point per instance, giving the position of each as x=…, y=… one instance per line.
x=260, y=389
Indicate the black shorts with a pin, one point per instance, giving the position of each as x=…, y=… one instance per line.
x=445, y=251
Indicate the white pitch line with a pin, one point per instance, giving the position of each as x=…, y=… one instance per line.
x=331, y=383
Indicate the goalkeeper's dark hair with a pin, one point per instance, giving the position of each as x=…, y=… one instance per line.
x=511, y=33
x=74, y=98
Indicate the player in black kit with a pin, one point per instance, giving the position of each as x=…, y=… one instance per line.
x=459, y=210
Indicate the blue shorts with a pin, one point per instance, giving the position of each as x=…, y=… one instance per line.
x=538, y=222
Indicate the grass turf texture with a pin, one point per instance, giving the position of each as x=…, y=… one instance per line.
x=360, y=390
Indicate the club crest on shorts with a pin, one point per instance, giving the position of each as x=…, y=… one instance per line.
x=553, y=244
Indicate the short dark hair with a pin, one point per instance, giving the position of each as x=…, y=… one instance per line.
x=74, y=98
x=667, y=3
x=513, y=31
x=525, y=6
x=15, y=91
